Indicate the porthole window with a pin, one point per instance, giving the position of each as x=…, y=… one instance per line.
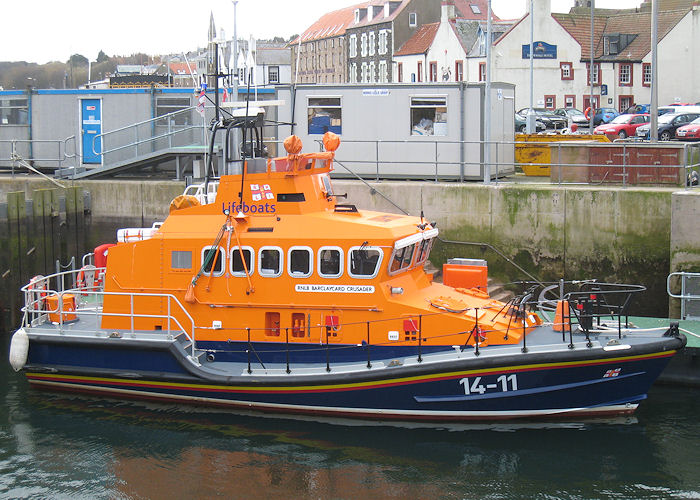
x=270, y=262
x=237, y=268
x=300, y=262
x=364, y=261
x=213, y=258
x=330, y=262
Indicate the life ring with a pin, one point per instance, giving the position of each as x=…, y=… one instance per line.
x=37, y=288
x=587, y=113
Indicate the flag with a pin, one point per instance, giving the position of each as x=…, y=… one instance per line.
x=225, y=94
x=201, y=99
x=259, y=192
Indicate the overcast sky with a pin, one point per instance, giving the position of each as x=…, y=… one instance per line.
x=49, y=30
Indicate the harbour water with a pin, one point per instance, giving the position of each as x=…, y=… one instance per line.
x=56, y=445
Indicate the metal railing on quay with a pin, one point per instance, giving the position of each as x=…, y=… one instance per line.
x=446, y=160
x=54, y=154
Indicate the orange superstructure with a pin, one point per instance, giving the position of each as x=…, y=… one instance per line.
x=294, y=263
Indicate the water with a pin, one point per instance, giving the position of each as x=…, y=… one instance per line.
x=64, y=446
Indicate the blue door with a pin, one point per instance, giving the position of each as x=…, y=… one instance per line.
x=91, y=127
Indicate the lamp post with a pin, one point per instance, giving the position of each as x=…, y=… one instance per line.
x=235, y=52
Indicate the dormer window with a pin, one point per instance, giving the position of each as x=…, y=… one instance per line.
x=615, y=43
x=412, y=19
x=357, y=16
x=475, y=9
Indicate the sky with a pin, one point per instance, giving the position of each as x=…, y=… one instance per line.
x=123, y=27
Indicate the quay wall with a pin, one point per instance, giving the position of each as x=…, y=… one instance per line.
x=626, y=235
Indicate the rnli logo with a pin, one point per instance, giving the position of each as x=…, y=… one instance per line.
x=612, y=373
x=261, y=192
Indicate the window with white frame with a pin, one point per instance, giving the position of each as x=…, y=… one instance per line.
x=242, y=260
x=15, y=111
x=353, y=73
x=353, y=46
x=330, y=262
x=371, y=74
x=429, y=115
x=300, y=262
x=324, y=115
x=364, y=76
x=213, y=261
x=270, y=262
x=372, y=43
x=363, y=45
x=383, y=73
x=383, y=42
x=625, y=74
x=364, y=261
x=646, y=74
x=412, y=20
x=273, y=74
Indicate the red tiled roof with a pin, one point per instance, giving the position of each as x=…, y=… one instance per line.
x=330, y=24
x=420, y=42
x=182, y=68
x=636, y=23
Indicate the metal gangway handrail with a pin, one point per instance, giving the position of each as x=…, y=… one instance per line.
x=684, y=296
x=137, y=141
x=37, y=292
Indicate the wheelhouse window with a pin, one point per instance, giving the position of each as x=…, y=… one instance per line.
x=324, y=114
x=270, y=262
x=237, y=262
x=401, y=259
x=300, y=262
x=330, y=262
x=213, y=261
x=181, y=259
x=428, y=115
x=364, y=261
x=423, y=250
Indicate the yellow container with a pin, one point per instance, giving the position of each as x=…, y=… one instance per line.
x=529, y=150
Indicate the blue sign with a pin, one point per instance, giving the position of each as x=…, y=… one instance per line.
x=542, y=50
x=603, y=89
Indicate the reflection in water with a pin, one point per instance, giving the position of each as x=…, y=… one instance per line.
x=65, y=445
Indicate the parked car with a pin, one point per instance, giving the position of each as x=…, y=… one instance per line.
x=546, y=116
x=623, y=125
x=575, y=115
x=668, y=124
x=690, y=132
x=521, y=124
x=604, y=115
x=662, y=110
x=637, y=109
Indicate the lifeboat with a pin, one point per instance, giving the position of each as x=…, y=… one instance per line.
x=267, y=293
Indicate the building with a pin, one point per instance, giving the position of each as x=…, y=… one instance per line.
x=453, y=50
x=377, y=30
x=421, y=131
x=320, y=50
x=622, y=56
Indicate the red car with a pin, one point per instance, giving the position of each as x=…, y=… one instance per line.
x=690, y=132
x=622, y=126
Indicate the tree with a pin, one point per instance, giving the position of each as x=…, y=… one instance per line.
x=78, y=60
x=102, y=57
